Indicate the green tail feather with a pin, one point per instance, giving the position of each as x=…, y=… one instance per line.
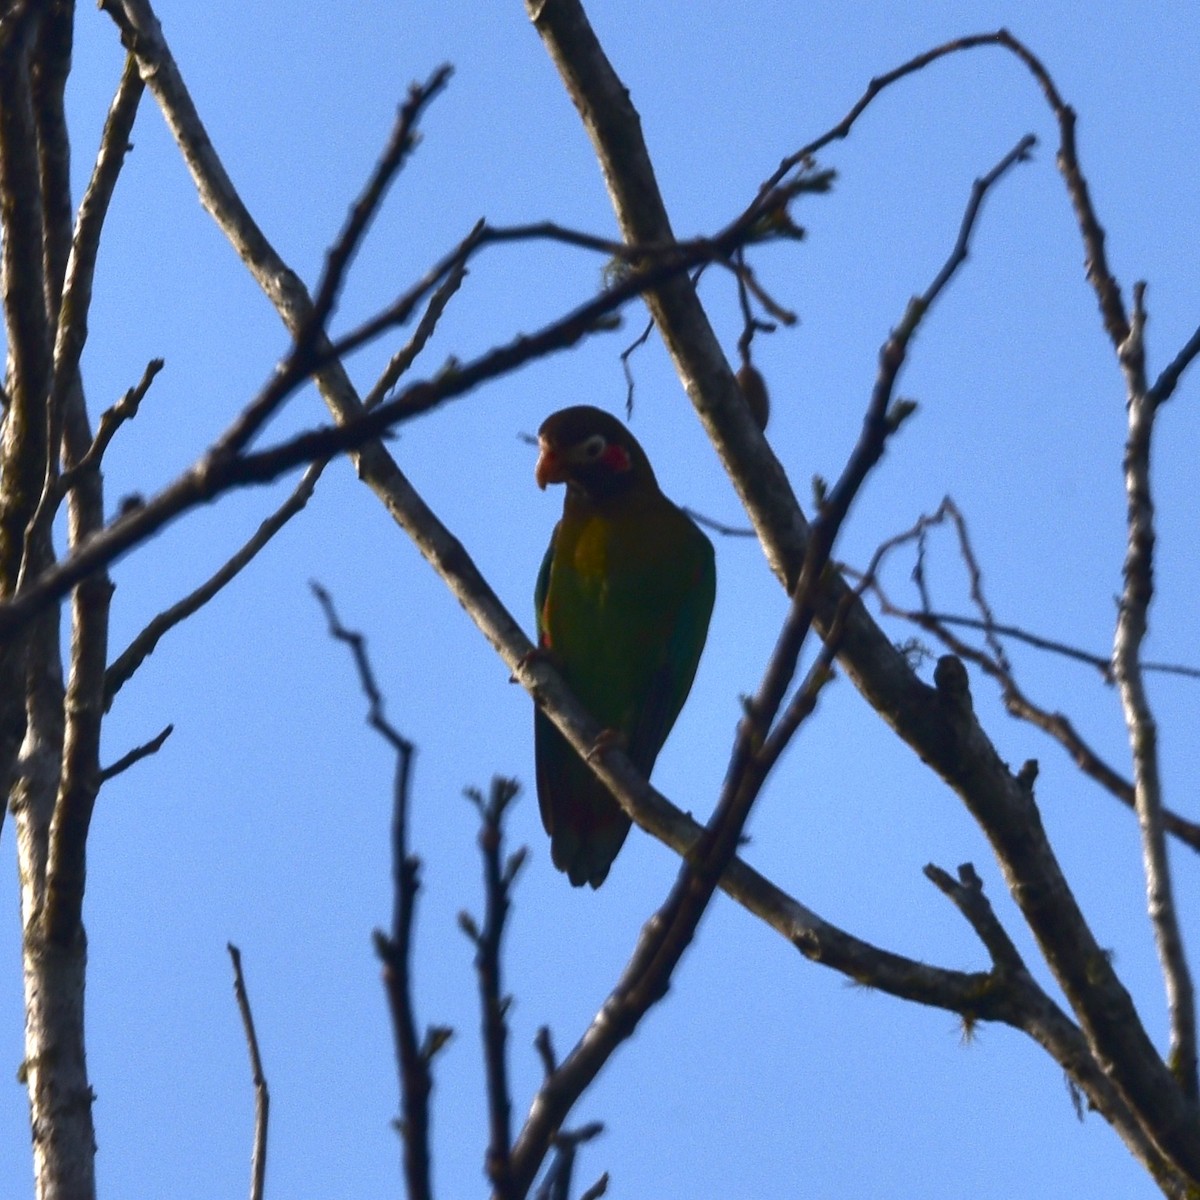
x=587, y=827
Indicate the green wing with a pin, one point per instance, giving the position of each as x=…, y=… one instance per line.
x=543, y=586
x=628, y=641
x=586, y=825
x=679, y=657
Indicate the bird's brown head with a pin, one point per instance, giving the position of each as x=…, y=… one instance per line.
x=592, y=453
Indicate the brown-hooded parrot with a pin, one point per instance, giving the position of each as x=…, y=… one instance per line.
x=623, y=601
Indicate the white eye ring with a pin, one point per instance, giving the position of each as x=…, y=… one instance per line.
x=594, y=447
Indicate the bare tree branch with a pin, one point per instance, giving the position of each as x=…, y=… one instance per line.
x=262, y=1095
x=997, y=666
x=1031, y=1010
x=34, y=244
x=84, y=701
x=670, y=931
x=1143, y=731
x=93, y=209
x=153, y=746
x=736, y=531
x=69, y=307
x=1107, y=292
x=939, y=723
x=556, y=1185
x=597, y=1189
x=111, y=420
x=144, y=644
x=403, y=359
x=544, y=1045
x=48, y=85
x=146, y=641
x=23, y=450
x=218, y=472
x=1165, y=384
x=1101, y=663
x=402, y=143
x=413, y=1058
x=309, y=339
x=966, y=892
x=498, y=878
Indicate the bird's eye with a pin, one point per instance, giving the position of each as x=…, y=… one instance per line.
x=594, y=447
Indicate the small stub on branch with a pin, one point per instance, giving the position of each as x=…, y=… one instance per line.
x=754, y=389
x=950, y=679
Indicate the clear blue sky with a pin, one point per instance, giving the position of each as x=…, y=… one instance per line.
x=264, y=820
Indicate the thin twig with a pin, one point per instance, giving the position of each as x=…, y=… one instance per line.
x=1165, y=384
x=1099, y=275
x=1101, y=663
x=76, y=298
x=144, y=644
x=403, y=141
x=413, y=1058
x=262, y=1096
x=153, y=746
x=89, y=224
x=403, y=359
x=737, y=531
x=597, y=1189
x=1016, y=701
x=498, y=878
x=556, y=1184
x=629, y=351
x=366, y=676
x=544, y=1046
x=307, y=347
x=751, y=325
x=111, y=420
x=966, y=892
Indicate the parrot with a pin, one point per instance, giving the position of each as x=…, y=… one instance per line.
x=623, y=602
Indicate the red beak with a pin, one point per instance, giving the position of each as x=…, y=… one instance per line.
x=550, y=466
